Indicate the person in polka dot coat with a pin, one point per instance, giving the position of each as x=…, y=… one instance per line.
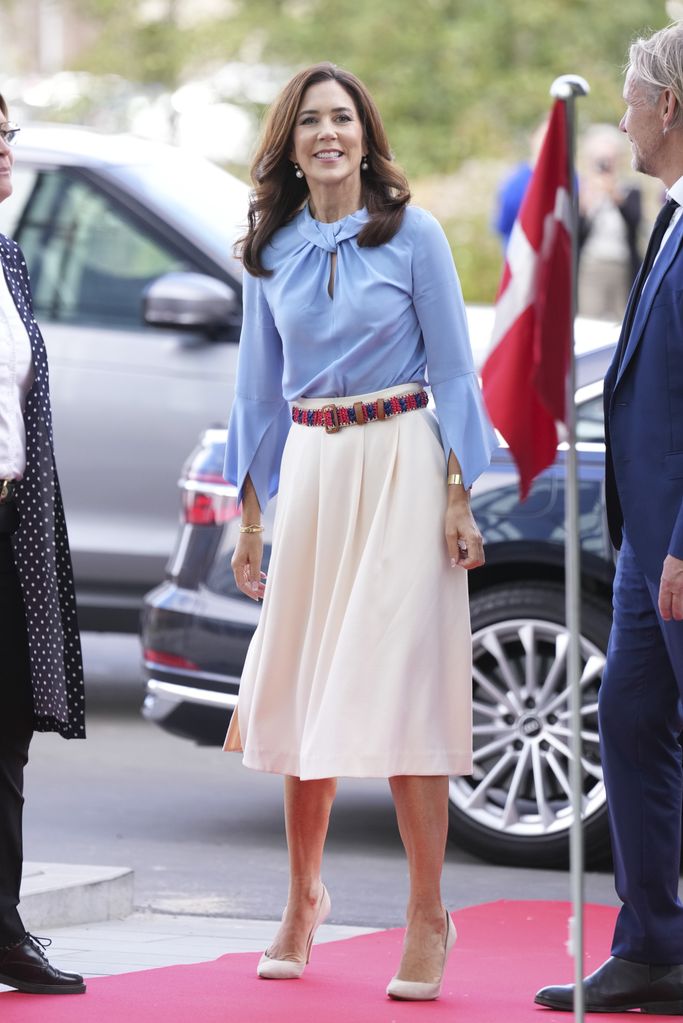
x=41, y=545
x=41, y=672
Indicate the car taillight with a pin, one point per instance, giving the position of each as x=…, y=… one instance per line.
x=209, y=502
x=168, y=660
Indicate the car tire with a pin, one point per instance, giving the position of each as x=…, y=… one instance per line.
x=521, y=730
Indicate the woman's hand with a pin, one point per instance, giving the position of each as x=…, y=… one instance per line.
x=465, y=543
x=246, y=565
x=248, y=554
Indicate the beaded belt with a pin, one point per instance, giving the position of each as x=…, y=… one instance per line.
x=333, y=417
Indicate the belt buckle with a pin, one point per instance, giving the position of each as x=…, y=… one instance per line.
x=334, y=426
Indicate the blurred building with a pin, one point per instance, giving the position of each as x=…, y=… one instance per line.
x=211, y=112
x=40, y=36
x=44, y=36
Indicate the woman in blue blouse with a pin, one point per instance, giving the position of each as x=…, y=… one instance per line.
x=361, y=663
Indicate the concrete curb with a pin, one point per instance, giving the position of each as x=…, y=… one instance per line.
x=64, y=894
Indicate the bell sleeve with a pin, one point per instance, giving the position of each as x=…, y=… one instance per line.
x=437, y=297
x=260, y=417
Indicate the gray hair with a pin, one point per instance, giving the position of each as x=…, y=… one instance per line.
x=657, y=63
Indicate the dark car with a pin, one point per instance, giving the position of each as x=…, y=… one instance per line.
x=515, y=807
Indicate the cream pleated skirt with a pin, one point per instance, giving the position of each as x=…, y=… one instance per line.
x=361, y=662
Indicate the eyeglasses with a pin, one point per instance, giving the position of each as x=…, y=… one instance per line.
x=9, y=132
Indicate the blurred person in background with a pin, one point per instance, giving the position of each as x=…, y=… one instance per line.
x=609, y=224
x=361, y=662
x=41, y=677
x=513, y=188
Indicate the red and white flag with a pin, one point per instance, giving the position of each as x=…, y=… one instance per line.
x=524, y=376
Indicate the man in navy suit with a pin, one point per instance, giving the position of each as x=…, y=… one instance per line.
x=641, y=715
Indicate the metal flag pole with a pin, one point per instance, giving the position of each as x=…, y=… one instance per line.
x=567, y=88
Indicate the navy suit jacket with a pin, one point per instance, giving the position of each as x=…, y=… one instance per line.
x=644, y=419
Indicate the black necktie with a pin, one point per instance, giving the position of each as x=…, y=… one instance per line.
x=658, y=231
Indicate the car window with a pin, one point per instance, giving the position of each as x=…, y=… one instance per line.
x=23, y=180
x=590, y=424
x=89, y=260
x=214, y=209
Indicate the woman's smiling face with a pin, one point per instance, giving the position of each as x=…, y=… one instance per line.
x=328, y=142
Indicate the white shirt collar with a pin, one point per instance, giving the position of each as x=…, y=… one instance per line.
x=676, y=191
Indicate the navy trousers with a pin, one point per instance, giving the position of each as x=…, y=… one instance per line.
x=16, y=730
x=641, y=719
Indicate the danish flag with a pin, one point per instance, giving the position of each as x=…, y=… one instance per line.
x=524, y=377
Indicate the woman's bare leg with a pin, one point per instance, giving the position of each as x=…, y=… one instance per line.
x=307, y=814
x=422, y=812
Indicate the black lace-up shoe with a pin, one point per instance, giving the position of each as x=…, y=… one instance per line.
x=619, y=985
x=25, y=966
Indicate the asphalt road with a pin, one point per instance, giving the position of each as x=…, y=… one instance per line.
x=205, y=836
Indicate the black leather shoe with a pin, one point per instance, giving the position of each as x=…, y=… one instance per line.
x=25, y=967
x=619, y=985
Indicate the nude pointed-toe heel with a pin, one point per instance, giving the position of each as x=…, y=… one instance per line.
x=291, y=969
x=417, y=991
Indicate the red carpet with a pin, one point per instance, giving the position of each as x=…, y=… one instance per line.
x=505, y=951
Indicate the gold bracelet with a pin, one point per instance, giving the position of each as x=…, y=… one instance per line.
x=251, y=529
x=454, y=480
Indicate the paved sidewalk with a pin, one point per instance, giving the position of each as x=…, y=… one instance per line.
x=146, y=940
x=139, y=941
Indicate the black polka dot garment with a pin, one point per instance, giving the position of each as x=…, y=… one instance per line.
x=41, y=544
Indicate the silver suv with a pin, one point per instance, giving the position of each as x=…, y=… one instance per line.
x=129, y=245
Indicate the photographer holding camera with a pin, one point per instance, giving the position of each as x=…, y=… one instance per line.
x=609, y=222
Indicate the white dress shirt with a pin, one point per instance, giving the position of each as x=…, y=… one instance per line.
x=16, y=378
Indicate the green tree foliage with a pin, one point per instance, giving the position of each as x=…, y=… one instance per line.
x=457, y=81
x=453, y=78
x=151, y=50
x=461, y=85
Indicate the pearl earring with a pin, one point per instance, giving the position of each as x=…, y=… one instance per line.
x=364, y=163
x=298, y=171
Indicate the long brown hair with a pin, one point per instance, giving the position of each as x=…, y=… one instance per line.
x=278, y=194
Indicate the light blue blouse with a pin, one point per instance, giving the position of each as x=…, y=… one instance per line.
x=397, y=316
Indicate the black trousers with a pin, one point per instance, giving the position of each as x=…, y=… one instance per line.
x=16, y=730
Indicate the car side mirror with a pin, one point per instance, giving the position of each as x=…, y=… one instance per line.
x=190, y=301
